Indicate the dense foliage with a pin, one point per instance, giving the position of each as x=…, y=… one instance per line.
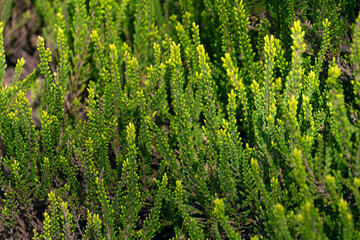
x=211, y=119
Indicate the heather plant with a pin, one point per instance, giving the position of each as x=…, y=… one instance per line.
x=214, y=119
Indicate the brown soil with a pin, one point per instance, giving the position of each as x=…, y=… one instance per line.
x=20, y=39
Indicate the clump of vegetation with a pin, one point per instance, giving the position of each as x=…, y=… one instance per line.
x=213, y=119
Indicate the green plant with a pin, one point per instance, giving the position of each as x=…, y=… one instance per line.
x=184, y=119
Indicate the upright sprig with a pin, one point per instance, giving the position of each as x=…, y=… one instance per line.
x=310, y=222
x=232, y=72
x=294, y=80
x=265, y=101
x=281, y=228
x=130, y=198
x=49, y=141
x=2, y=54
x=93, y=227
x=45, y=59
x=52, y=93
x=247, y=56
x=152, y=222
x=219, y=212
x=80, y=28
x=226, y=14
x=183, y=123
x=64, y=70
x=156, y=83
x=341, y=127
x=107, y=210
x=209, y=97
x=192, y=226
x=324, y=46
x=146, y=30
x=59, y=221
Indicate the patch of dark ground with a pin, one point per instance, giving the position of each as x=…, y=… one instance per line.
x=20, y=39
